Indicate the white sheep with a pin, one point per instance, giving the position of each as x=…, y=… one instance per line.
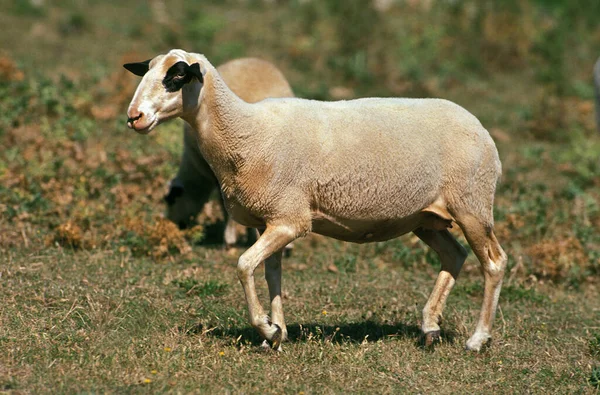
x=252, y=80
x=360, y=170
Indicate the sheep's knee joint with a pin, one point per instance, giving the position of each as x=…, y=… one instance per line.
x=244, y=269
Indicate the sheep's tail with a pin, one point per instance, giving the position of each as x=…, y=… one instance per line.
x=597, y=87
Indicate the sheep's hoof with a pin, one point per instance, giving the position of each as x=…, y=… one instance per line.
x=432, y=338
x=265, y=346
x=277, y=338
x=478, y=344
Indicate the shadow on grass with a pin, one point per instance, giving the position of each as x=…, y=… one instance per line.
x=356, y=332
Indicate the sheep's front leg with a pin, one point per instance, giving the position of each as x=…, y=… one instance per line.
x=273, y=277
x=274, y=239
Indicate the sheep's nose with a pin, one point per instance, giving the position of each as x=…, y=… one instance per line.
x=133, y=117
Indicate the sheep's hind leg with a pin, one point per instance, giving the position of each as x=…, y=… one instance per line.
x=452, y=256
x=493, y=259
x=274, y=239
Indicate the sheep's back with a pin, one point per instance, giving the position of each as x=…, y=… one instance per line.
x=376, y=157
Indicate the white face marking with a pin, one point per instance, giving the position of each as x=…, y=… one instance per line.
x=152, y=103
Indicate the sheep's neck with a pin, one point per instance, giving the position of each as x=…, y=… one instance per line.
x=222, y=137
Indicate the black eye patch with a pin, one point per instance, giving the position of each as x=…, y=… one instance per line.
x=180, y=74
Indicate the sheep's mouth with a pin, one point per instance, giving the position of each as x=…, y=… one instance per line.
x=142, y=127
x=131, y=121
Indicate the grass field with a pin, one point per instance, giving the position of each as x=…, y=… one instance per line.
x=98, y=293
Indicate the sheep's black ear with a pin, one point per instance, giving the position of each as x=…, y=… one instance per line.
x=194, y=69
x=174, y=192
x=138, y=68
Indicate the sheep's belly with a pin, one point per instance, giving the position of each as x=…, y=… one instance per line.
x=364, y=231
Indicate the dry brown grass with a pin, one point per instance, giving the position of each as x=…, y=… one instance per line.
x=9, y=70
x=555, y=258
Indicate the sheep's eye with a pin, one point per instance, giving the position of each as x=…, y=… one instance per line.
x=176, y=77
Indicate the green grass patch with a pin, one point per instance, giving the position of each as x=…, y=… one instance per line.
x=192, y=287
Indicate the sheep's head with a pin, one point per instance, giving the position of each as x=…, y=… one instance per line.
x=180, y=208
x=169, y=88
